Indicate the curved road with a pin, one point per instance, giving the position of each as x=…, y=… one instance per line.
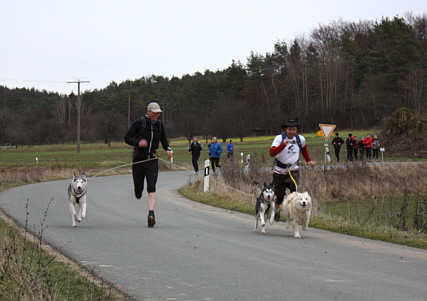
x=197, y=252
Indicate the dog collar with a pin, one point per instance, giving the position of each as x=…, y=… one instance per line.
x=79, y=195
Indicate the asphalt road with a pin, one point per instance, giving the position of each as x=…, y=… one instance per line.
x=197, y=252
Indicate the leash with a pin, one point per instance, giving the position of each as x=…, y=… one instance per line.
x=250, y=195
x=129, y=164
x=296, y=185
x=183, y=168
x=178, y=166
x=232, y=188
x=133, y=163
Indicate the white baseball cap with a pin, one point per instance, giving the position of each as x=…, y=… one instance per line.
x=154, y=107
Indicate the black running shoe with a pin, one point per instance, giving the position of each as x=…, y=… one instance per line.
x=151, y=221
x=277, y=215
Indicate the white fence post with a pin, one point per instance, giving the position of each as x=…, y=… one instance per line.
x=206, y=177
x=382, y=150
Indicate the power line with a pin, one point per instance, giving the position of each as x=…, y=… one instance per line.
x=32, y=80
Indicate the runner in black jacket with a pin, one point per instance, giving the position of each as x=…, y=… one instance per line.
x=144, y=135
x=350, y=146
x=195, y=148
x=337, y=142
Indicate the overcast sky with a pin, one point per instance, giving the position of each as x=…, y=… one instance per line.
x=44, y=44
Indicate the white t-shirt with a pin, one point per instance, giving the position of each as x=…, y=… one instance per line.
x=289, y=155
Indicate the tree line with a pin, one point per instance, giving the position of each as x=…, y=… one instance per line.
x=345, y=73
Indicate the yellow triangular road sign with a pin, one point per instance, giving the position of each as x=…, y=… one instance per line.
x=327, y=129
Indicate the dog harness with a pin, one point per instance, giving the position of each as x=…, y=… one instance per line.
x=283, y=165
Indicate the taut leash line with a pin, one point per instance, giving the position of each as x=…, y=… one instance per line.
x=252, y=196
x=183, y=168
x=129, y=164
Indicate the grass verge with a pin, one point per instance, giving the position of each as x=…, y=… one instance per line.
x=32, y=270
x=335, y=223
x=387, y=203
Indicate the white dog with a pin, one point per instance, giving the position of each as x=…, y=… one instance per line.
x=297, y=209
x=77, y=198
x=264, y=207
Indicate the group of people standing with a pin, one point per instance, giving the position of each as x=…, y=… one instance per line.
x=356, y=149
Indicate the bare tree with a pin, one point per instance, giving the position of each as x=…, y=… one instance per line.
x=108, y=125
x=327, y=42
x=413, y=86
x=60, y=110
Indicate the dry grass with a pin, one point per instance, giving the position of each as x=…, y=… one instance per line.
x=364, y=196
x=383, y=202
x=355, y=181
x=32, y=270
x=361, y=182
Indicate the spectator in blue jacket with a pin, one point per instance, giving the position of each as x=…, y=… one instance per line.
x=230, y=149
x=215, y=150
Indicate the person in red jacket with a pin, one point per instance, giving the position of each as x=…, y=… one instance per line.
x=368, y=146
x=285, y=150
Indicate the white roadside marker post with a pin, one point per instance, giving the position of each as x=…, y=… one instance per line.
x=206, y=177
x=382, y=150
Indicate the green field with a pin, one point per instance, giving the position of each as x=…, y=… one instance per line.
x=100, y=155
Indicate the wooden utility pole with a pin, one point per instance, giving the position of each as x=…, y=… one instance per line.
x=79, y=105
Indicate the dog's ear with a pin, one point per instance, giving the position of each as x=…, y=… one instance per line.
x=272, y=185
x=84, y=175
x=265, y=184
x=74, y=176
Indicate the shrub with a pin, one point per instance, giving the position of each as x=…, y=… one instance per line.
x=404, y=134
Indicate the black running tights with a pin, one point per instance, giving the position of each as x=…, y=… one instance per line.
x=147, y=170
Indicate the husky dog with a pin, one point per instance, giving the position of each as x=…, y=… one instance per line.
x=297, y=209
x=265, y=206
x=77, y=198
